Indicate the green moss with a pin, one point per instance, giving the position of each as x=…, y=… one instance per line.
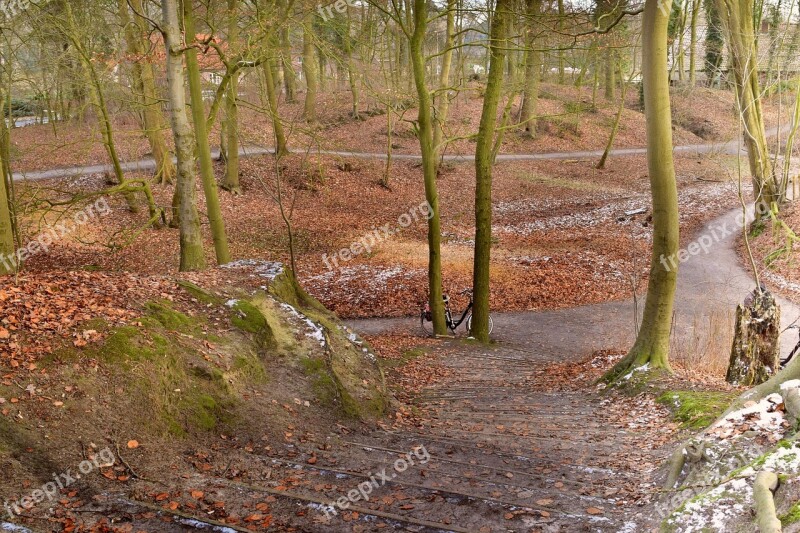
x=757, y=228
x=791, y=516
x=286, y=289
x=696, y=409
x=249, y=318
x=199, y=293
x=250, y=367
x=179, y=390
x=327, y=387
x=128, y=345
x=169, y=318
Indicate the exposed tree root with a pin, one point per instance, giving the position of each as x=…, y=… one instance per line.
x=766, y=482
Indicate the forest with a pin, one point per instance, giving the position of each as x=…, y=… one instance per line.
x=399, y=265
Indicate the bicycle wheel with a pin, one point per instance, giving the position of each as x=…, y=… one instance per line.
x=469, y=323
x=427, y=325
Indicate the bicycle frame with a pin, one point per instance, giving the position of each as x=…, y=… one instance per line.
x=448, y=315
x=788, y=359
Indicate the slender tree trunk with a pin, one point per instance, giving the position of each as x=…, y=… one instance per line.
x=560, y=44
x=8, y=259
x=201, y=139
x=272, y=104
x=310, y=72
x=652, y=342
x=610, y=67
x=144, y=84
x=614, y=127
x=681, y=36
x=533, y=67
x=97, y=97
x=231, y=181
x=737, y=18
x=693, y=43
x=289, y=75
x=352, y=74
x=425, y=122
x=443, y=97
x=192, y=257
x=483, y=171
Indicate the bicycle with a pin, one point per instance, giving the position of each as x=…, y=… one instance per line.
x=426, y=317
x=794, y=351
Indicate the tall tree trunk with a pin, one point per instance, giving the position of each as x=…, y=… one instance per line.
x=143, y=78
x=652, y=342
x=425, y=124
x=533, y=67
x=310, y=72
x=483, y=171
x=352, y=73
x=272, y=104
x=289, y=75
x=97, y=97
x=714, y=41
x=560, y=44
x=8, y=258
x=609, y=70
x=737, y=18
x=201, y=140
x=443, y=95
x=693, y=43
x=231, y=181
x=192, y=257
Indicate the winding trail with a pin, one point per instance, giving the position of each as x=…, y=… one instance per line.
x=728, y=148
x=494, y=413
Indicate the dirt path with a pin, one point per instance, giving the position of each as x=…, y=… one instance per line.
x=146, y=164
x=494, y=432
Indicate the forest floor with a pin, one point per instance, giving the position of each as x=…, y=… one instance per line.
x=518, y=436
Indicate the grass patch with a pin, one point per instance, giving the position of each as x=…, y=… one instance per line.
x=696, y=409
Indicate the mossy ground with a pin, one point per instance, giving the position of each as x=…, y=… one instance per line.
x=792, y=516
x=167, y=381
x=696, y=409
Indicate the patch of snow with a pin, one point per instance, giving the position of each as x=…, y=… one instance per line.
x=791, y=384
x=314, y=331
x=268, y=270
x=197, y=524
x=762, y=415
x=644, y=368
x=8, y=526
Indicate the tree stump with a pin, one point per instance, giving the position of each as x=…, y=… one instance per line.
x=755, y=352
